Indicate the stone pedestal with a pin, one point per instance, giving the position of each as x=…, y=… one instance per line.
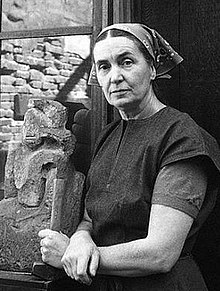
x=15, y=281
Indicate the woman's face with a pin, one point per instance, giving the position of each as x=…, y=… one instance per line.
x=123, y=73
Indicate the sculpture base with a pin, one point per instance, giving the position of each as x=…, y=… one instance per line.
x=18, y=281
x=21, y=281
x=47, y=272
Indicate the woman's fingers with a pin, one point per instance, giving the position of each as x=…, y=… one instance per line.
x=82, y=267
x=94, y=263
x=43, y=255
x=81, y=258
x=45, y=233
x=70, y=268
x=76, y=268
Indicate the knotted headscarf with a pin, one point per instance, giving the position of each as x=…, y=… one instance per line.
x=164, y=56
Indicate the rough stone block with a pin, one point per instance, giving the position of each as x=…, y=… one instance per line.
x=7, y=47
x=17, y=137
x=51, y=71
x=35, y=92
x=22, y=74
x=5, y=121
x=23, y=89
x=5, y=128
x=48, y=93
x=57, y=42
x=9, y=65
x=22, y=67
x=7, y=80
x=17, y=123
x=2, y=113
x=9, y=56
x=67, y=67
x=60, y=79
x=47, y=86
x=49, y=78
x=60, y=86
x=38, y=53
x=75, y=61
x=18, y=50
x=19, y=82
x=64, y=58
x=32, y=61
x=7, y=97
x=55, y=92
x=58, y=64
x=16, y=42
x=5, y=136
x=40, y=63
x=40, y=46
x=53, y=49
x=65, y=73
x=6, y=105
x=48, y=56
x=36, y=75
x=7, y=89
x=48, y=63
x=42, y=187
x=15, y=129
x=9, y=113
x=36, y=84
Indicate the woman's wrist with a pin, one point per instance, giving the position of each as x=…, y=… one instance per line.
x=81, y=233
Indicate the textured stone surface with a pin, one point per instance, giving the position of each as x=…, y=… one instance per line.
x=34, y=14
x=42, y=188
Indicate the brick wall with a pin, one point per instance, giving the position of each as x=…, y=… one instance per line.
x=33, y=68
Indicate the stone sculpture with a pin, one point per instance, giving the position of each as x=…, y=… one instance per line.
x=42, y=188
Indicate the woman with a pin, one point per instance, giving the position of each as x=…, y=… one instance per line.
x=152, y=181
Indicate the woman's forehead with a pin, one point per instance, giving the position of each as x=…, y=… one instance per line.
x=114, y=46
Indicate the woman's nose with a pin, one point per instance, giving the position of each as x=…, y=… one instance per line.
x=116, y=74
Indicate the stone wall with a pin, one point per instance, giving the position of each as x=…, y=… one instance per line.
x=33, y=68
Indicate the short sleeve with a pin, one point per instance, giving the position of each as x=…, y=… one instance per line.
x=184, y=139
x=181, y=185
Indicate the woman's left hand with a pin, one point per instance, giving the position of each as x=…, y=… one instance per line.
x=81, y=258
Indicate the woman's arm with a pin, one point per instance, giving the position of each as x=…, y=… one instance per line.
x=182, y=185
x=54, y=245
x=158, y=252
x=81, y=258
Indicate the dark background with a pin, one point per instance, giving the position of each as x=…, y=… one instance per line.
x=193, y=29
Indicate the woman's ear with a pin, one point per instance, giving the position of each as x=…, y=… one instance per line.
x=153, y=72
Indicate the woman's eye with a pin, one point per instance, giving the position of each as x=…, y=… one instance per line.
x=103, y=67
x=127, y=63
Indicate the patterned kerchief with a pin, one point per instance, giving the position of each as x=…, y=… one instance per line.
x=164, y=56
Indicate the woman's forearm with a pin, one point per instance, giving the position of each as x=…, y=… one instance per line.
x=157, y=253
x=136, y=258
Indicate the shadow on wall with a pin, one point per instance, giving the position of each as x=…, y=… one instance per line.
x=82, y=130
x=3, y=157
x=78, y=119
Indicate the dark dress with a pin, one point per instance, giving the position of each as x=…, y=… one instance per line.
x=119, y=188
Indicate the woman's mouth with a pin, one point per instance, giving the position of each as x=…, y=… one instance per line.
x=120, y=91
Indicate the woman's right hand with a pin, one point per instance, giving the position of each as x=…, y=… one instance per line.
x=53, y=246
x=81, y=258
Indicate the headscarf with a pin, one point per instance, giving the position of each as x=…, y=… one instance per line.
x=164, y=56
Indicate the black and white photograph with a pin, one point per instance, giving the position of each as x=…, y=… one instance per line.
x=109, y=145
